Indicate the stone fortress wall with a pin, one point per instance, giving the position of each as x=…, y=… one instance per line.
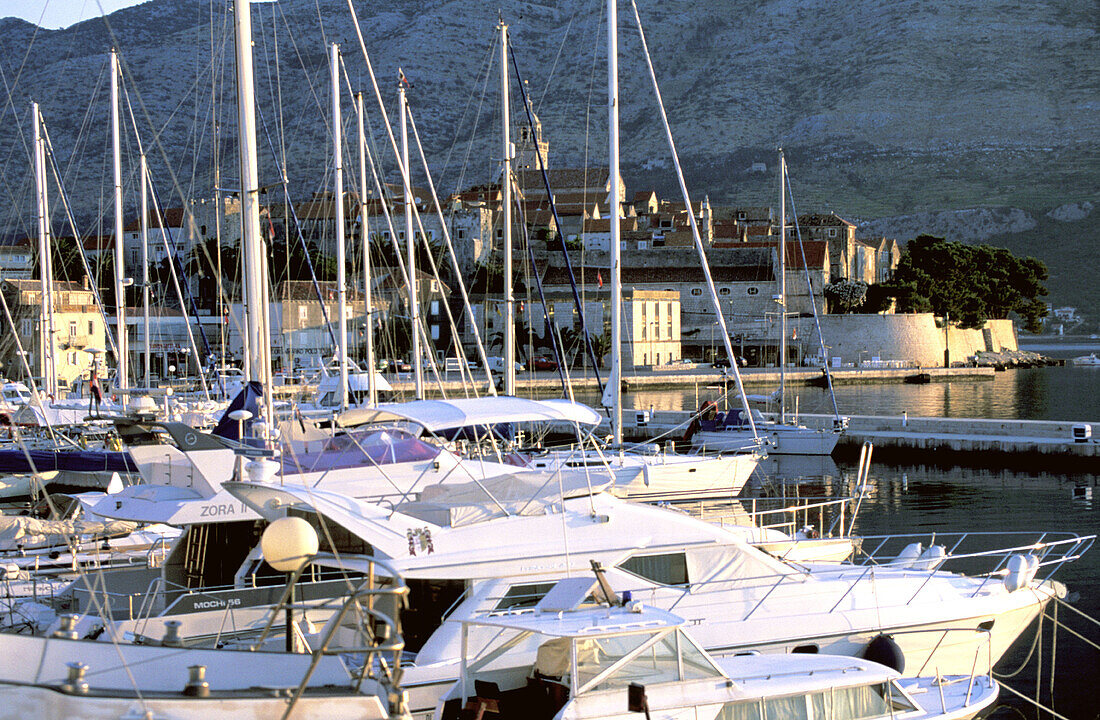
x=914, y=339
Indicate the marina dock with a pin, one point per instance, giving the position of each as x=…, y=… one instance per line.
x=687, y=376
x=1020, y=444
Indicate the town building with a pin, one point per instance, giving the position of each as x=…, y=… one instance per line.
x=16, y=258
x=78, y=330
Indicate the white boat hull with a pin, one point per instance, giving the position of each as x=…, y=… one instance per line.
x=779, y=439
x=659, y=476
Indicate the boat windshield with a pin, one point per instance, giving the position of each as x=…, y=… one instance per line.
x=363, y=448
x=644, y=658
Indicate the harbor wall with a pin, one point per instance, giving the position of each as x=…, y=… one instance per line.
x=907, y=338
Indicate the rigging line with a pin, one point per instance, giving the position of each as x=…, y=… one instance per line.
x=596, y=46
x=559, y=357
x=298, y=230
x=813, y=304
x=462, y=119
x=541, y=164
x=177, y=188
x=16, y=123
x=174, y=259
x=83, y=257
x=318, y=103
x=557, y=58
x=454, y=260
x=694, y=226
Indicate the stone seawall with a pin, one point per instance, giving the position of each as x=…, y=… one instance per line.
x=906, y=338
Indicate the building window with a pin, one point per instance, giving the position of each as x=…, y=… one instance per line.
x=435, y=303
x=723, y=291
x=91, y=327
x=752, y=291
x=435, y=332
x=500, y=232
x=658, y=360
x=303, y=315
x=461, y=234
x=28, y=328
x=832, y=232
x=72, y=328
x=72, y=358
x=696, y=292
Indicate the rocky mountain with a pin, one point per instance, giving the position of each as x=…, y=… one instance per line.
x=974, y=119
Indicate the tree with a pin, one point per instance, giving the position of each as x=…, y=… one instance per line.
x=967, y=283
x=845, y=295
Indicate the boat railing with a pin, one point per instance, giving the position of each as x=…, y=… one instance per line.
x=157, y=552
x=380, y=632
x=785, y=514
x=881, y=550
x=1049, y=553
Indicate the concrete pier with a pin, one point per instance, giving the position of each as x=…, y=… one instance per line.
x=678, y=376
x=1022, y=444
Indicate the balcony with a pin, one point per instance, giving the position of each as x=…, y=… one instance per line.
x=74, y=341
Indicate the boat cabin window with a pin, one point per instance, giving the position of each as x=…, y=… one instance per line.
x=523, y=596
x=670, y=569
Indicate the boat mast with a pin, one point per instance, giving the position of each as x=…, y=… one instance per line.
x=782, y=291
x=145, y=267
x=254, y=279
x=338, y=188
x=45, y=325
x=368, y=315
x=506, y=200
x=615, y=383
x=122, y=381
x=410, y=243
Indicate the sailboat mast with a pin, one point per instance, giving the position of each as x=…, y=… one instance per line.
x=338, y=188
x=506, y=200
x=145, y=267
x=782, y=290
x=368, y=305
x=122, y=381
x=613, y=218
x=45, y=325
x=410, y=243
x=254, y=280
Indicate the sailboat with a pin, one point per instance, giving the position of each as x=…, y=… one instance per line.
x=718, y=431
x=664, y=476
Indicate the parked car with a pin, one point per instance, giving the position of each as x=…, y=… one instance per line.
x=496, y=364
x=543, y=363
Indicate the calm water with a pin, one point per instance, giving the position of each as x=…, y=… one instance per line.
x=1051, y=393
x=919, y=498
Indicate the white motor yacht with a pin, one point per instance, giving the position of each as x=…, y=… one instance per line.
x=563, y=660
x=740, y=598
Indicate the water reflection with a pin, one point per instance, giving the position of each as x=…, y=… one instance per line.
x=1053, y=393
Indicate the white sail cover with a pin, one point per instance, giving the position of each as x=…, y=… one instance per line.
x=437, y=415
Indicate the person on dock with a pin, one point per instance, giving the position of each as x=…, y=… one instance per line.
x=94, y=392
